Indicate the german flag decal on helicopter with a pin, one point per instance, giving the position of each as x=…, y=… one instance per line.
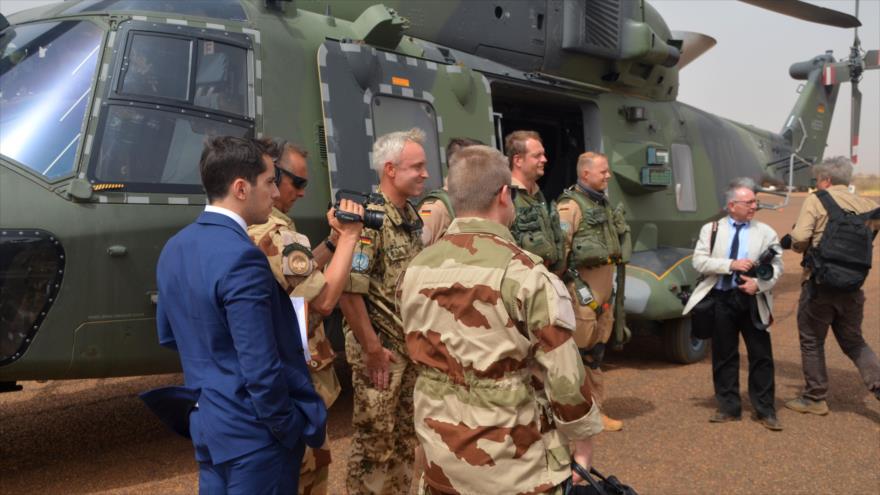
x=829, y=77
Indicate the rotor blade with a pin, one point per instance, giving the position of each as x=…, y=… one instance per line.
x=854, y=123
x=872, y=59
x=807, y=12
x=693, y=45
x=835, y=73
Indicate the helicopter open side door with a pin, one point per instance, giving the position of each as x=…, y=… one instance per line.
x=367, y=92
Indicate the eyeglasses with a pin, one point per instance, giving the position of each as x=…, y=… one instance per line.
x=751, y=202
x=298, y=182
x=510, y=189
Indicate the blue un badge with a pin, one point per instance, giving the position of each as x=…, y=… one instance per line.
x=360, y=262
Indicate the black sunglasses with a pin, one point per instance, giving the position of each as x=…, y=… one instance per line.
x=298, y=182
x=512, y=190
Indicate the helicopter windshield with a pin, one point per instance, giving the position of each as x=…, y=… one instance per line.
x=46, y=71
x=173, y=90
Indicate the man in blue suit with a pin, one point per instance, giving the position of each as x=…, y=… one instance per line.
x=248, y=403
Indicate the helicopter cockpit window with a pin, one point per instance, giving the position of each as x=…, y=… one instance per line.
x=174, y=89
x=683, y=175
x=392, y=114
x=158, y=66
x=161, y=66
x=221, y=77
x=230, y=10
x=46, y=73
x=155, y=150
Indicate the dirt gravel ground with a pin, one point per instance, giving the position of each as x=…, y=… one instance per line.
x=94, y=436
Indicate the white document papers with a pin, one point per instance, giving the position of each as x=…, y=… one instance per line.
x=301, y=309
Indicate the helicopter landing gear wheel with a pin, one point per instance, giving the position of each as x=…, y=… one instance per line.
x=679, y=345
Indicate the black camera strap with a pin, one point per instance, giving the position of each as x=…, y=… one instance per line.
x=713, y=237
x=414, y=226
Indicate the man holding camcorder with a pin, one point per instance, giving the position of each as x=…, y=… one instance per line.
x=739, y=262
x=383, y=377
x=312, y=275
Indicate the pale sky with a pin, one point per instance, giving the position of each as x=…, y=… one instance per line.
x=745, y=76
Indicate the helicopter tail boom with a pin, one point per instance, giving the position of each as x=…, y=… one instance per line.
x=807, y=126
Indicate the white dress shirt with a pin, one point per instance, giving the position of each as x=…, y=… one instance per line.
x=229, y=213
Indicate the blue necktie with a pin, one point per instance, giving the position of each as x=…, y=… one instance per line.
x=734, y=250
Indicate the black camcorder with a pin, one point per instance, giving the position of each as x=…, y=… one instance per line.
x=763, y=269
x=372, y=219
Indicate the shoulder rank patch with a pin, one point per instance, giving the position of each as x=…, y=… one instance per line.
x=299, y=264
x=360, y=262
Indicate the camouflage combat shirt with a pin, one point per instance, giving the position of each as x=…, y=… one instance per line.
x=501, y=388
x=300, y=278
x=379, y=258
x=436, y=213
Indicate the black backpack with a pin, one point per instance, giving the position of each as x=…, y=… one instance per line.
x=842, y=259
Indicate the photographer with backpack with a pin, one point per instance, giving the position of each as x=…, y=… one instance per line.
x=835, y=230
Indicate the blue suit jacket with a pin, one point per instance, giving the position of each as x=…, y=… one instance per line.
x=239, y=344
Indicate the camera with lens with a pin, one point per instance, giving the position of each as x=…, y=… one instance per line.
x=372, y=219
x=763, y=269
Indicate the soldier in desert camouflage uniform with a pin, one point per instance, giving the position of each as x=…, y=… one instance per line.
x=298, y=270
x=383, y=444
x=501, y=392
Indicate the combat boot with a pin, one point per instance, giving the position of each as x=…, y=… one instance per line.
x=805, y=405
x=611, y=424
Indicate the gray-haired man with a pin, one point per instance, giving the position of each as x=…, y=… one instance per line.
x=819, y=307
x=383, y=377
x=743, y=304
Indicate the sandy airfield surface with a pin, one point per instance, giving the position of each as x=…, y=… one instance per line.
x=95, y=436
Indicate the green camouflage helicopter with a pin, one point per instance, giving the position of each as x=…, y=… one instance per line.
x=104, y=106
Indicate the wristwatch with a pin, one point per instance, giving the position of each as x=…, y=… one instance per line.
x=330, y=245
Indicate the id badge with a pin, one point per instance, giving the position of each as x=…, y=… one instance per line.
x=584, y=296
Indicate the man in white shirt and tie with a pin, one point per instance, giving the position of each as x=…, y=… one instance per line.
x=743, y=303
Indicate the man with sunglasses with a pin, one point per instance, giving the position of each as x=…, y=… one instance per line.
x=317, y=276
x=596, y=240
x=383, y=445
x=484, y=321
